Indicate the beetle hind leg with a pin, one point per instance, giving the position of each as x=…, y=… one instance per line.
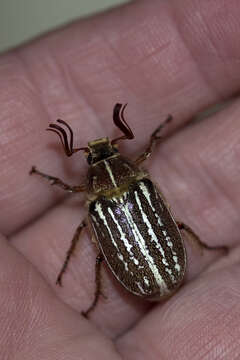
x=70, y=251
x=98, y=285
x=153, y=139
x=196, y=240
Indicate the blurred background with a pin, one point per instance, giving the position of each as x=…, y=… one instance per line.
x=21, y=20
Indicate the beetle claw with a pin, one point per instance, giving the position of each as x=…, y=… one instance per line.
x=33, y=170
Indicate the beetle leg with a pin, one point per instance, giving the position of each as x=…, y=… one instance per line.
x=196, y=240
x=70, y=252
x=153, y=139
x=98, y=284
x=55, y=181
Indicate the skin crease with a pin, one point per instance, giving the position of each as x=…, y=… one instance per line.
x=161, y=57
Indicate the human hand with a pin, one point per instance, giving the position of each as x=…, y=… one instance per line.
x=160, y=57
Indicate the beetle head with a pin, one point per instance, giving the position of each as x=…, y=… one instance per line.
x=100, y=149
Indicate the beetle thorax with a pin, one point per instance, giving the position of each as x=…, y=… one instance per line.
x=112, y=176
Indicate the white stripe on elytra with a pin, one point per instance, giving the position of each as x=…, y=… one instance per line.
x=143, y=248
x=98, y=208
x=110, y=173
x=147, y=196
x=120, y=256
x=167, y=238
x=153, y=235
x=146, y=280
x=97, y=223
x=170, y=244
x=141, y=288
x=126, y=243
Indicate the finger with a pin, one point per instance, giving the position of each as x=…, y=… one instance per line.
x=44, y=327
x=155, y=62
x=194, y=324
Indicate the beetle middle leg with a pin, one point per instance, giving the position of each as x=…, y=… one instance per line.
x=58, y=182
x=98, y=292
x=153, y=139
x=196, y=240
x=70, y=251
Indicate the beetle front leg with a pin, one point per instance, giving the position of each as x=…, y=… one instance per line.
x=70, y=251
x=98, y=292
x=56, y=181
x=196, y=240
x=153, y=139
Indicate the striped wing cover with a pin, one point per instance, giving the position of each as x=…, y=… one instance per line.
x=140, y=240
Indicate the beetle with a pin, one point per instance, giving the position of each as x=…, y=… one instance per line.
x=134, y=230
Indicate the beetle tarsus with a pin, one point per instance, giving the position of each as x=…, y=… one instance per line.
x=33, y=170
x=59, y=281
x=58, y=182
x=98, y=283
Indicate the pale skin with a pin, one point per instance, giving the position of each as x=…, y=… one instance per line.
x=161, y=57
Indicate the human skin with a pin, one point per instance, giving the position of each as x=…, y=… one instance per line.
x=161, y=57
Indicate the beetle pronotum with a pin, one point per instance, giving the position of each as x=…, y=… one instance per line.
x=134, y=229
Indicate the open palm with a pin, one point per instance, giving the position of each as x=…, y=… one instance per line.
x=161, y=57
